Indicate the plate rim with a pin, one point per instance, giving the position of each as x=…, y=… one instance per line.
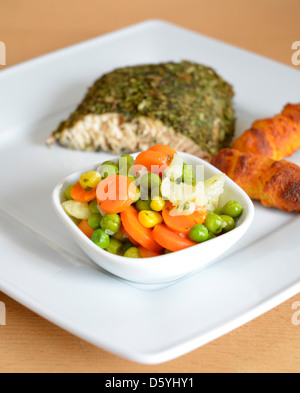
x=165, y=354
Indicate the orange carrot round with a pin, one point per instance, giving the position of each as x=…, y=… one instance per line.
x=116, y=193
x=183, y=224
x=170, y=240
x=154, y=161
x=123, y=230
x=147, y=253
x=86, y=229
x=81, y=195
x=164, y=149
x=137, y=231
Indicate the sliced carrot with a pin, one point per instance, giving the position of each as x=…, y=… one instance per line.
x=81, y=195
x=86, y=229
x=116, y=193
x=170, y=240
x=183, y=224
x=164, y=149
x=129, y=237
x=137, y=231
x=147, y=253
x=154, y=161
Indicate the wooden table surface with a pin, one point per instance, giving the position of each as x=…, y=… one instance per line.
x=30, y=28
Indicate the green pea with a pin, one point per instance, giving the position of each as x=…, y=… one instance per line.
x=145, y=195
x=129, y=158
x=115, y=247
x=108, y=168
x=218, y=211
x=132, y=252
x=127, y=245
x=214, y=223
x=211, y=235
x=199, y=233
x=143, y=205
x=155, y=192
x=132, y=174
x=93, y=206
x=229, y=223
x=94, y=220
x=150, y=181
x=233, y=209
x=126, y=161
x=101, y=239
x=111, y=223
x=138, y=196
x=68, y=193
x=119, y=236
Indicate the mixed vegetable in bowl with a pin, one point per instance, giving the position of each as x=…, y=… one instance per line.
x=149, y=206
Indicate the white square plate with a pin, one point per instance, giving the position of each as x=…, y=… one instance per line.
x=43, y=268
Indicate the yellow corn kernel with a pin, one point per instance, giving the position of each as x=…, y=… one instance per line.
x=90, y=180
x=157, y=204
x=149, y=218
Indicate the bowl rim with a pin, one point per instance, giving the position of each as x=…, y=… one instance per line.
x=247, y=217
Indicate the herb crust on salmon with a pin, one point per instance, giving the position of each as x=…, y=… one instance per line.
x=184, y=105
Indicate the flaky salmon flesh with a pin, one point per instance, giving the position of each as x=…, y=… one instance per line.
x=184, y=105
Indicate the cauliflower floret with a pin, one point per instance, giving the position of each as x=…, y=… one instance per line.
x=175, y=170
x=187, y=198
x=184, y=197
x=214, y=188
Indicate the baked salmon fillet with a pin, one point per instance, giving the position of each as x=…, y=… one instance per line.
x=184, y=105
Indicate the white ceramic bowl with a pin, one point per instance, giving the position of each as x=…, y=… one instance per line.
x=167, y=267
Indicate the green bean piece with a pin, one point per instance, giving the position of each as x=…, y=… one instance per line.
x=188, y=174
